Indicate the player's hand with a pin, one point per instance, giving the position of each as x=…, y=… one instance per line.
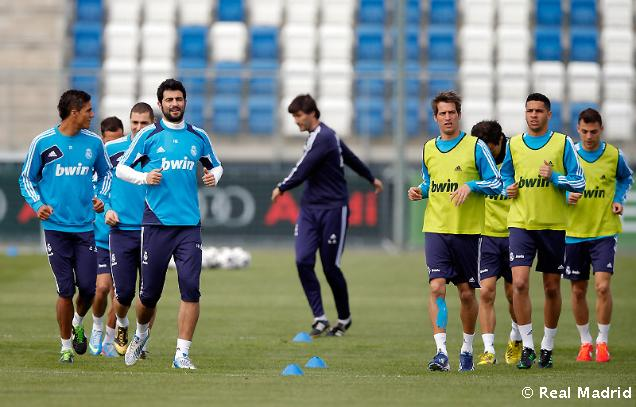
x=512, y=191
x=459, y=196
x=276, y=193
x=98, y=205
x=208, y=178
x=415, y=194
x=617, y=208
x=545, y=171
x=44, y=212
x=154, y=176
x=379, y=187
x=573, y=197
x=111, y=217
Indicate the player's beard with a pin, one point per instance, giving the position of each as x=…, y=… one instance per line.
x=173, y=119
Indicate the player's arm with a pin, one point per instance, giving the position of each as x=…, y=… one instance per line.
x=490, y=179
x=29, y=178
x=135, y=154
x=421, y=191
x=103, y=170
x=624, y=181
x=352, y=161
x=507, y=171
x=212, y=168
x=574, y=179
x=313, y=155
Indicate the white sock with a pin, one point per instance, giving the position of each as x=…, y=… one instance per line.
x=344, y=321
x=142, y=330
x=145, y=347
x=548, y=338
x=514, y=332
x=526, y=335
x=440, y=342
x=323, y=317
x=603, y=332
x=467, y=346
x=584, y=332
x=77, y=320
x=122, y=322
x=489, y=343
x=183, y=348
x=98, y=323
x=67, y=344
x=110, y=335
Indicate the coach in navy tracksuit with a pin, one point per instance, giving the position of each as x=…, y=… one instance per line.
x=323, y=219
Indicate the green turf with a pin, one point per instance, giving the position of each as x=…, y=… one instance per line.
x=243, y=341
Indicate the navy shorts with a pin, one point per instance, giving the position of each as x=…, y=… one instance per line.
x=550, y=245
x=103, y=261
x=493, y=258
x=73, y=261
x=125, y=256
x=598, y=253
x=159, y=244
x=452, y=257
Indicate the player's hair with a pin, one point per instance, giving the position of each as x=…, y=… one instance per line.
x=143, y=107
x=70, y=100
x=170, y=84
x=305, y=104
x=539, y=97
x=489, y=131
x=447, y=97
x=590, y=115
x=111, y=124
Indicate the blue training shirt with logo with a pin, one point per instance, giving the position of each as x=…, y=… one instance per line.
x=58, y=171
x=174, y=201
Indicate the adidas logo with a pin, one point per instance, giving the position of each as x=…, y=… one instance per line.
x=52, y=154
x=609, y=265
x=458, y=168
x=471, y=280
x=560, y=267
x=161, y=150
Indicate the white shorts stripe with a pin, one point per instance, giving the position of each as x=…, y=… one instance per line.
x=343, y=232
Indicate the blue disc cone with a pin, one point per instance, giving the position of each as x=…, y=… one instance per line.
x=292, y=370
x=302, y=337
x=316, y=363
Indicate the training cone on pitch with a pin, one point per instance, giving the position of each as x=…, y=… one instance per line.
x=292, y=370
x=316, y=363
x=302, y=337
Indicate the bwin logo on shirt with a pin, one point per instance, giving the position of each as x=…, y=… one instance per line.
x=447, y=186
x=79, y=169
x=184, y=164
x=594, y=193
x=537, y=182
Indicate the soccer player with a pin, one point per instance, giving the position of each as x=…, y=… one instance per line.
x=124, y=213
x=592, y=230
x=539, y=167
x=168, y=152
x=56, y=181
x=493, y=256
x=323, y=220
x=112, y=128
x=457, y=171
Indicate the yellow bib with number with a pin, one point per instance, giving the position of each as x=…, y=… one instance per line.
x=448, y=171
x=592, y=215
x=496, y=221
x=539, y=204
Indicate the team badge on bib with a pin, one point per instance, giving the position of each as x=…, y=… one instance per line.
x=88, y=154
x=193, y=151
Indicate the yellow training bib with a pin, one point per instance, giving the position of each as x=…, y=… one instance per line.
x=496, y=215
x=448, y=171
x=592, y=215
x=539, y=204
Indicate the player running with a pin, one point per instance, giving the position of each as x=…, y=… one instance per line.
x=323, y=220
x=592, y=230
x=168, y=151
x=454, y=165
x=60, y=164
x=493, y=256
x=539, y=167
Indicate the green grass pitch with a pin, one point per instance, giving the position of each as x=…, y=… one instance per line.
x=243, y=341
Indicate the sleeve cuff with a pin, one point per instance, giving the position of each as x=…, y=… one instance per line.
x=554, y=178
x=472, y=185
x=37, y=205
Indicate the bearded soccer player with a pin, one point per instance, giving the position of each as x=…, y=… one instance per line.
x=168, y=152
x=540, y=165
x=592, y=230
x=457, y=171
x=57, y=182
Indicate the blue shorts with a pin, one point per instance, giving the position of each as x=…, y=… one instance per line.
x=493, y=258
x=452, y=257
x=550, y=245
x=125, y=255
x=103, y=261
x=598, y=253
x=159, y=244
x=73, y=261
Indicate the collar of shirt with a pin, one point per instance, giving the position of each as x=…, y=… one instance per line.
x=315, y=131
x=173, y=126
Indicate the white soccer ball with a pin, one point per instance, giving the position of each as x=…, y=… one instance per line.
x=210, y=257
x=226, y=258
x=241, y=257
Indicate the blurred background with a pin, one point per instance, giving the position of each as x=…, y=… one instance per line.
x=372, y=65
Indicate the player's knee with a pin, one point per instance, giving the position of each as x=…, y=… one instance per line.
x=552, y=290
x=190, y=294
x=602, y=288
x=467, y=296
x=487, y=295
x=520, y=286
x=149, y=301
x=102, y=290
x=578, y=292
x=438, y=290
x=125, y=298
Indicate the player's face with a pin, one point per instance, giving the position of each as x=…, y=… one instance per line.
x=303, y=120
x=447, y=118
x=537, y=116
x=84, y=116
x=112, y=135
x=590, y=134
x=173, y=105
x=138, y=121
